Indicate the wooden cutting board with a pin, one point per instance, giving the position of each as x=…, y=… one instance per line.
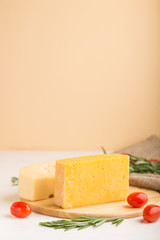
x=108, y=210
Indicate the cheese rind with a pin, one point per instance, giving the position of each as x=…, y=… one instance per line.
x=91, y=180
x=37, y=182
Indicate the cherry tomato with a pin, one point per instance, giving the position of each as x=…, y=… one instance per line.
x=20, y=209
x=137, y=199
x=151, y=213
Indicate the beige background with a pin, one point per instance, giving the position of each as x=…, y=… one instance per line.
x=78, y=74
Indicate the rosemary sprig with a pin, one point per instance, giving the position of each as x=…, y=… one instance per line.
x=14, y=181
x=81, y=222
x=141, y=165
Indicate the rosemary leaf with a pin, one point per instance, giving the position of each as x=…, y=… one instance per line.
x=14, y=181
x=119, y=221
x=83, y=227
x=104, y=150
x=79, y=220
x=100, y=222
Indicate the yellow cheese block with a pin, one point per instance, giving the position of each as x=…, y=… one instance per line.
x=37, y=181
x=88, y=180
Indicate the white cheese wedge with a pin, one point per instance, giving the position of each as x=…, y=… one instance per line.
x=37, y=182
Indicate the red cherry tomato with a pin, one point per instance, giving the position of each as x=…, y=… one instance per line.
x=20, y=209
x=151, y=213
x=137, y=199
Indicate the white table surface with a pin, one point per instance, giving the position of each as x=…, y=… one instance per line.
x=28, y=228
